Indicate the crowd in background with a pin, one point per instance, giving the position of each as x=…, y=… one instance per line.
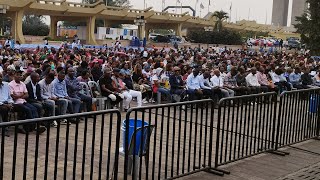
x=46, y=81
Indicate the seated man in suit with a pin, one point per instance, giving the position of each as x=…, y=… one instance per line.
x=35, y=97
x=176, y=83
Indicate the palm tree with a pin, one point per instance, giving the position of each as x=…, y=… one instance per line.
x=221, y=16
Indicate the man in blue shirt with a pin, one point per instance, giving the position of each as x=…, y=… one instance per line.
x=193, y=85
x=6, y=102
x=295, y=79
x=74, y=87
x=60, y=91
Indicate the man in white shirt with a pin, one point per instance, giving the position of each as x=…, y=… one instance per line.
x=253, y=83
x=193, y=85
x=46, y=88
x=206, y=86
x=217, y=83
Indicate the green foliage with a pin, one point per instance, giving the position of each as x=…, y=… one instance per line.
x=221, y=16
x=34, y=25
x=224, y=36
x=308, y=26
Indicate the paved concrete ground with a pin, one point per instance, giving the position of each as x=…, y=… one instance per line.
x=299, y=165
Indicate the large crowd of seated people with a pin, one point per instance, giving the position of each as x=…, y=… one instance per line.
x=46, y=81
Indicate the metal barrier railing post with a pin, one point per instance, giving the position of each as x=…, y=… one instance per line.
x=276, y=129
x=216, y=161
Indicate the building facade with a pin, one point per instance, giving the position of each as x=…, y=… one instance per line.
x=280, y=11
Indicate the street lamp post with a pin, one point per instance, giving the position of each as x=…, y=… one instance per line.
x=140, y=22
x=208, y=29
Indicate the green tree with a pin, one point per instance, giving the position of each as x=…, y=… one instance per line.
x=308, y=26
x=34, y=25
x=221, y=16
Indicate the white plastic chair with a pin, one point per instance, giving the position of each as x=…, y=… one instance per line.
x=101, y=101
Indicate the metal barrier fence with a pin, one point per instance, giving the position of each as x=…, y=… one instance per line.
x=298, y=117
x=246, y=126
x=159, y=142
x=180, y=141
x=85, y=150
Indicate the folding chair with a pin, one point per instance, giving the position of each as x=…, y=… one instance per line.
x=135, y=158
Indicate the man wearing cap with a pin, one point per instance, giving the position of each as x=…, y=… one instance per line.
x=177, y=85
x=19, y=94
x=107, y=88
x=127, y=93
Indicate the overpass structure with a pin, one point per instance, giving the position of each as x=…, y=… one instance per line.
x=62, y=10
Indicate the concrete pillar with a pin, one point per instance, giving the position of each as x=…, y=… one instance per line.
x=147, y=33
x=91, y=39
x=178, y=29
x=107, y=23
x=53, y=27
x=16, y=26
x=141, y=32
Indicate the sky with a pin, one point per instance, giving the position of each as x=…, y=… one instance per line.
x=258, y=10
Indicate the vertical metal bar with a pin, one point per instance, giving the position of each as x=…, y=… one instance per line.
x=200, y=139
x=248, y=128
x=179, y=138
x=141, y=144
x=195, y=136
x=109, y=142
x=36, y=153
x=47, y=155
x=14, y=158
x=252, y=123
x=289, y=120
x=217, y=154
x=295, y=118
x=66, y=152
x=184, y=139
x=261, y=120
x=268, y=121
x=116, y=158
x=298, y=124
x=154, y=144
x=161, y=138
x=93, y=145
x=244, y=125
x=173, y=139
x=57, y=151
x=318, y=116
x=222, y=129
x=148, y=155
x=74, y=173
x=101, y=145
x=236, y=131
x=257, y=120
x=276, y=138
x=240, y=127
x=2, y=152
x=205, y=134
x=167, y=143
x=227, y=132
x=304, y=115
x=84, y=150
x=190, y=136
x=26, y=147
x=126, y=148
